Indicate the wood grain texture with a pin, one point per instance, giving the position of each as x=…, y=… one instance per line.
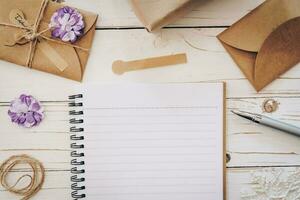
x=119, y=14
x=57, y=185
x=249, y=145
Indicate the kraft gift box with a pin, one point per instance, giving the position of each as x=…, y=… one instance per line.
x=37, y=49
x=155, y=14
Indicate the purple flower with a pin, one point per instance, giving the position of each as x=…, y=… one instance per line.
x=26, y=111
x=67, y=24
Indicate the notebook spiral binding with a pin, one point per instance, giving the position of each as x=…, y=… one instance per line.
x=77, y=146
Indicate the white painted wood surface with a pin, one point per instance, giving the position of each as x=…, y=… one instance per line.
x=250, y=146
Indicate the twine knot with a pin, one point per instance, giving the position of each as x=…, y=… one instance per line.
x=30, y=36
x=25, y=37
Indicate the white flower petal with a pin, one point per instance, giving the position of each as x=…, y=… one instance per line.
x=64, y=20
x=18, y=106
x=72, y=21
x=80, y=23
x=68, y=27
x=27, y=124
x=69, y=36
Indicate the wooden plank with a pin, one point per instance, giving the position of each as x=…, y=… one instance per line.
x=119, y=14
x=52, y=159
x=54, y=188
x=249, y=144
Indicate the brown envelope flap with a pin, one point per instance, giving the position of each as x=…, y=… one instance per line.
x=244, y=59
x=279, y=52
x=42, y=62
x=251, y=31
x=156, y=13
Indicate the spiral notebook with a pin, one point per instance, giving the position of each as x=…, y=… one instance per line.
x=148, y=142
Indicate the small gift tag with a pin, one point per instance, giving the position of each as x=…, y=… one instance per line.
x=56, y=59
x=17, y=17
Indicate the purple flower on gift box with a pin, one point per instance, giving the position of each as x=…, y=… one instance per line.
x=67, y=24
x=26, y=111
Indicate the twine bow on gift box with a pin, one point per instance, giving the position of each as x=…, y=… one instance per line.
x=32, y=36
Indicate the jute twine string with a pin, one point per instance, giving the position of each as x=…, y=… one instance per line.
x=36, y=179
x=31, y=35
x=34, y=34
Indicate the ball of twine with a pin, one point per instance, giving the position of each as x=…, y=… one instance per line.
x=36, y=179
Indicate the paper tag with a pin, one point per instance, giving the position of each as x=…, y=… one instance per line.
x=54, y=57
x=119, y=67
x=17, y=17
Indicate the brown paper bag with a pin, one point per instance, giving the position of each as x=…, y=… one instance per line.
x=155, y=14
x=266, y=42
x=49, y=55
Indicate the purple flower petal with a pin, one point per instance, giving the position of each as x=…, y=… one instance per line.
x=14, y=117
x=29, y=117
x=74, y=19
x=23, y=97
x=62, y=35
x=60, y=12
x=56, y=32
x=77, y=28
x=38, y=117
x=28, y=100
x=68, y=9
x=36, y=106
x=22, y=119
x=54, y=20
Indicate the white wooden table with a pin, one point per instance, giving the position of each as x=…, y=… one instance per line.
x=120, y=35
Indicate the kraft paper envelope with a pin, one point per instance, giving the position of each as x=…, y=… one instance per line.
x=73, y=56
x=266, y=42
x=155, y=14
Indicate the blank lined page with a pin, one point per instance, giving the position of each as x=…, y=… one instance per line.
x=154, y=141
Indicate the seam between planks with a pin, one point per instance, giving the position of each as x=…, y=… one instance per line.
x=167, y=27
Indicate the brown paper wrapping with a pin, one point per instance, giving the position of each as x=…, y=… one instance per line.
x=74, y=58
x=266, y=42
x=155, y=14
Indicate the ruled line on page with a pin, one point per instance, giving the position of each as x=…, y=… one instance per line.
x=149, y=107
